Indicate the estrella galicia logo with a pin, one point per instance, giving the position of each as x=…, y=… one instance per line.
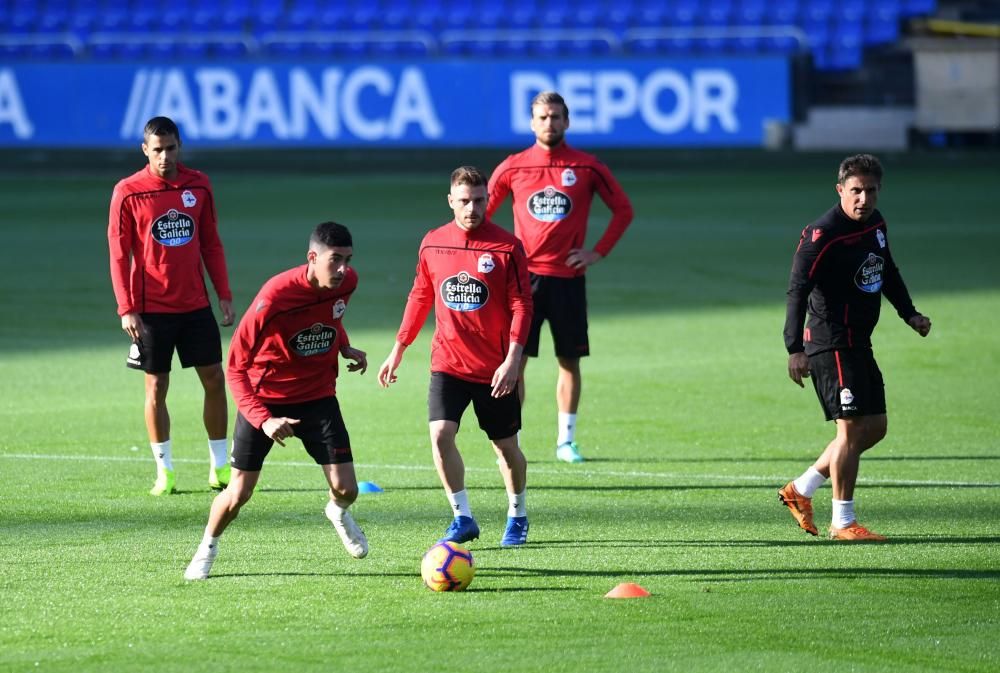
x=869, y=276
x=464, y=293
x=173, y=229
x=549, y=205
x=314, y=340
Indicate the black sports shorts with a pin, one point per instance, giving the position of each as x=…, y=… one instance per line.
x=563, y=302
x=848, y=383
x=195, y=335
x=449, y=396
x=321, y=430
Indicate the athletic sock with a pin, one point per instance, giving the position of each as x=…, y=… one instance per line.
x=161, y=453
x=208, y=540
x=337, y=509
x=517, y=504
x=460, y=503
x=217, y=447
x=810, y=480
x=567, y=428
x=843, y=513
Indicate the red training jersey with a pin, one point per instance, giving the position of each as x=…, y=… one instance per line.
x=477, y=282
x=553, y=190
x=161, y=235
x=287, y=345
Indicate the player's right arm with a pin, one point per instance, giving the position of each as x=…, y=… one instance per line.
x=800, y=283
x=245, y=344
x=498, y=188
x=121, y=232
x=419, y=303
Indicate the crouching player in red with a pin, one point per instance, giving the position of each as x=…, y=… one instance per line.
x=475, y=276
x=283, y=372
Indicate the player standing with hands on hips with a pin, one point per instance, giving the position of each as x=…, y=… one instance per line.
x=283, y=364
x=553, y=187
x=162, y=235
x=841, y=269
x=474, y=275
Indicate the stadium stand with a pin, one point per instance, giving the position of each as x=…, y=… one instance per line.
x=834, y=32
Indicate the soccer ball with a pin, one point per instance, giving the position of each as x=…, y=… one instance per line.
x=447, y=567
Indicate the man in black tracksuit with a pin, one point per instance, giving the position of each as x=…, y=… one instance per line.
x=841, y=269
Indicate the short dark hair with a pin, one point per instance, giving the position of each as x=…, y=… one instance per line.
x=860, y=164
x=468, y=175
x=161, y=126
x=549, y=98
x=331, y=235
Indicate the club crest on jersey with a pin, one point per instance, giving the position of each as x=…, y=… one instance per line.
x=549, y=205
x=339, y=307
x=174, y=228
x=465, y=293
x=188, y=199
x=817, y=233
x=869, y=275
x=314, y=340
x=568, y=178
x=486, y=263
x=881, y=238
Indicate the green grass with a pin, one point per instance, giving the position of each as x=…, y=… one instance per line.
x=688, y=418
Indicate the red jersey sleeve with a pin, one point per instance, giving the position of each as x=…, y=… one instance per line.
x=499, y=188
x=212, y=252
x=241, y=359
x=617, y=201
x=418, y=303
x=121, y=229
x=519, y=292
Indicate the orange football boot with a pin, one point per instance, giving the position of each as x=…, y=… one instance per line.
x=854, y=532
x=800, y=506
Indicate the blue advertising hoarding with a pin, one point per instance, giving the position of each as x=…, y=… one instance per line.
x=613, y=102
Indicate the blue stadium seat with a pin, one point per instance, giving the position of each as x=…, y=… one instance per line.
x=881, y=25
x=783, y=12
x=918, y=7
x=750, y=13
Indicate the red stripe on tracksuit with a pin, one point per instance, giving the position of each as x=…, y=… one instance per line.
x=840, y=371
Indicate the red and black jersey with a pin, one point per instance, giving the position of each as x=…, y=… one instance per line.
x=287, y=345
x=840, y=271
x=477, y=282
x=553, y=191
x=162, y=234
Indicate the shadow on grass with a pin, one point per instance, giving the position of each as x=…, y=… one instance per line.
x=730, y=574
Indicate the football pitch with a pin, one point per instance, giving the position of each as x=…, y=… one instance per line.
x=688, y=420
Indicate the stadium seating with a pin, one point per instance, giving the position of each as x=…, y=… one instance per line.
x=834, y=32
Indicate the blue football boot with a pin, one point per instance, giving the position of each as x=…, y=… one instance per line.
x=462, y=529
x=516, y=533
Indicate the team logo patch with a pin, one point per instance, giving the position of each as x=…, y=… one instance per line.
x=463, y=292
x=881, y=238
x=338, y=309
x=173, y=229
x=846, y=397
x=869, y=275
x=486, y=263
x=817, y=233
x=260, y=305
x=549, y=205
x=315, y=340
x=568, y=178
x=134, y=357
x=188, y=199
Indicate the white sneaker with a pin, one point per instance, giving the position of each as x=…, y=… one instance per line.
x=350, y=534
x=202, y=562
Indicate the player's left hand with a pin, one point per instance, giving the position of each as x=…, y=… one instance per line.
x=359, y=357
x=921, y=324
x=228, y=316
x=578, y=258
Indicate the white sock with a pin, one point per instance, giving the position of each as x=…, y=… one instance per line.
x=208, y=540
x=336, y=510
x=460, y=503
x=810, y=480
x=217, y=447
x=161, y=454
x=517, y=505
x=843, y=513
x=567, y=428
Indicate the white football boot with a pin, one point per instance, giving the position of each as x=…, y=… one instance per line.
x=350, y=534
x=202, y=562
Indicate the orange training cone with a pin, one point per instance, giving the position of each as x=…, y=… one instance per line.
x=627, y=590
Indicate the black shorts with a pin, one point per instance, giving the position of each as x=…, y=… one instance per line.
x=195, y=335
x=449, y=396
x=321, y=430
x=563, y=302
x=848, y=383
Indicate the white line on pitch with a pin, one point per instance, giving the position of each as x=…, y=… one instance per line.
x=534, y=470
